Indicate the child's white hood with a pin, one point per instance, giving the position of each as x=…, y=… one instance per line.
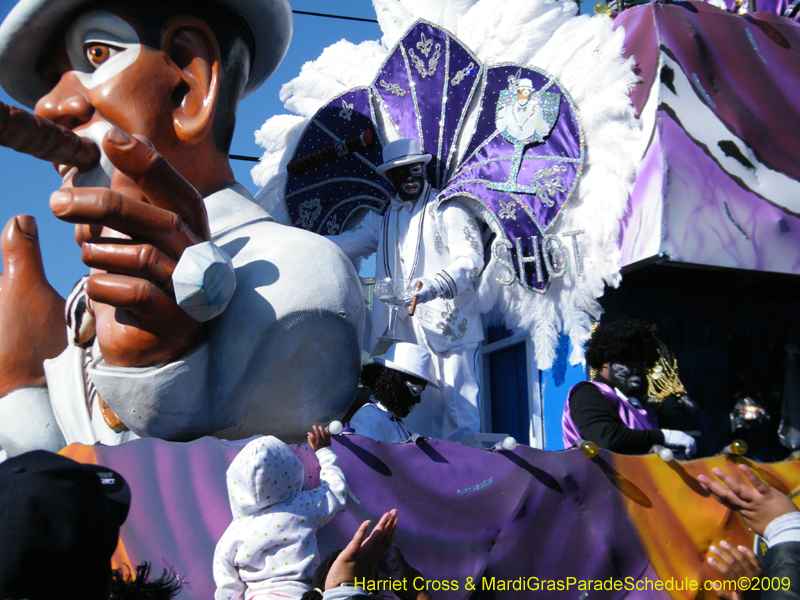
x=264, y=473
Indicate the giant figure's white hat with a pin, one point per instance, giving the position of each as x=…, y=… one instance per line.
x=28, y=29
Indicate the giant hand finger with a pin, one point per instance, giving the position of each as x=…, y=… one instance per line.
x=162, y=185
x=126, y=257
x=136, y=219
x=132, y=315
x=20, y=247
x=32, y=322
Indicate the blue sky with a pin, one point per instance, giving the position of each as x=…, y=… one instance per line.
x=29, y=181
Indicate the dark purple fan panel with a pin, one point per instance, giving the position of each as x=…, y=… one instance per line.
x=426, y=84
x=317, y=197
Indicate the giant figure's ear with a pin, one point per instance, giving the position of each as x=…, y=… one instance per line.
x=193, y=47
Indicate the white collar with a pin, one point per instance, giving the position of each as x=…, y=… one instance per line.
x=377, y=404
x=231, y=207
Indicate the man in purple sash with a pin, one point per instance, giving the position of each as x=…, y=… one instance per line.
x=612, y=410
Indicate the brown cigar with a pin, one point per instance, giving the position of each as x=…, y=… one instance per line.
x=27, y=133
x=413, y=308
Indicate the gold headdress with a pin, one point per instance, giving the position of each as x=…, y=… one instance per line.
x=663, y=380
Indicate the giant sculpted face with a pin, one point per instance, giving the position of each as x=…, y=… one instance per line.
x=105, y=81
x=160, y=100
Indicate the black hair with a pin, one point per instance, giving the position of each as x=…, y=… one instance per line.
x=388, y=387
x=625, y=341
x=236, y=46
x=320, y=575
x=140, y=587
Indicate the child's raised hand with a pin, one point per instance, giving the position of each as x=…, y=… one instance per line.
x=319, y=437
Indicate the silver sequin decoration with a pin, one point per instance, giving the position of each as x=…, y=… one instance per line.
x=460, y=75
x=470, y=236
x=332, y=226
x=424, y=46
x=392, y=88
x=554, y=253
x=508, y=210
x=309, y=212
x=347, y=111
x=450, y=316
x=438, y=244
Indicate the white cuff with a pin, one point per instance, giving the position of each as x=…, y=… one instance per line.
x=27, y=422
x=343, y=592
x=785, y=528
x=325, y=452
x=204, y=281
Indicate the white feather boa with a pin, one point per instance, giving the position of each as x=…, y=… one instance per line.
x=585, y=54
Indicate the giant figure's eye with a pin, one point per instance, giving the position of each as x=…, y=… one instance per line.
x=97, y=53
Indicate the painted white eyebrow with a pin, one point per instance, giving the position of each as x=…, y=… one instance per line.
x=99, y=26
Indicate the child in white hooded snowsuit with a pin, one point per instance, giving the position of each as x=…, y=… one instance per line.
x=270, y=548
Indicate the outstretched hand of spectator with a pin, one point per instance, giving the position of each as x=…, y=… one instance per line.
x=758, y=505
x=361, y=555
x=734, y=562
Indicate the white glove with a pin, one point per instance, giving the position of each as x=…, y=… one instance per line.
x=428, y=291
x=681, y=440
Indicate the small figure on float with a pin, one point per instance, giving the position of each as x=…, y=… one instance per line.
x=612, y=410
x=192, y=324
x=396, y=381
x=270, y=548
x=438, y=254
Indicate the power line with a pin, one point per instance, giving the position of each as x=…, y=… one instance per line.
x=240, y=157
x=316, y=14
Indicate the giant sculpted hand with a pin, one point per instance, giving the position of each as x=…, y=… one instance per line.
x=132, y=236
x=32, y=324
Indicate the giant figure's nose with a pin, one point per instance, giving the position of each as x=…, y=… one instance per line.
x=66, y=103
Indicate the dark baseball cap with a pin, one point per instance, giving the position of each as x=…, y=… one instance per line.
x=59, y=526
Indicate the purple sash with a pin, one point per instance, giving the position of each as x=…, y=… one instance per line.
x=632, y=417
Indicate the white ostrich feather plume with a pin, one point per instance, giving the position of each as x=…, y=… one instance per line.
x=585, y=54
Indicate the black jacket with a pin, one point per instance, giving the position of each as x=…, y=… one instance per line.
x=598, y=421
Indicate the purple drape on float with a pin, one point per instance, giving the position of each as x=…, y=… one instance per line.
x=462, y=512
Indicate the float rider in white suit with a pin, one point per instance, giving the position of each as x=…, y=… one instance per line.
x=441, y=249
